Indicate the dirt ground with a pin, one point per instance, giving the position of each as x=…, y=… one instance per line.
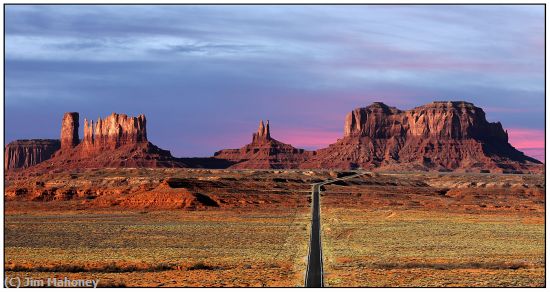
x=108, y=225
x=434, y=230
x=227, y=228
x=160, y=248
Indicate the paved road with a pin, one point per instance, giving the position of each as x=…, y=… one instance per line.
x=314, y=272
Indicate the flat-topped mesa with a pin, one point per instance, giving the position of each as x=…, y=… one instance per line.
x=26, y=153
x=69, y=131
x=114, y=131
x=440, y=119
x=263, y=133
x=442, y=135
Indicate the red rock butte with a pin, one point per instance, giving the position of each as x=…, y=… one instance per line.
x=439, y=136
x=113, y=132
x=443, y=136
x=264, y=153
x=115, y=141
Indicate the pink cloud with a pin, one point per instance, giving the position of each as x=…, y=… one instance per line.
x=529, y=141
x=537, y=153
x=311, y=139
x=526, y=138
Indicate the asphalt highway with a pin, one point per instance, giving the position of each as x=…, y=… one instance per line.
x=314, y=272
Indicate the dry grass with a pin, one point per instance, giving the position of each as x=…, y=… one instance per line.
x=114, y=267
x=431, y=249
x=257, y=236
x=450, y=266
x=161, y=248
x=201, y=266
x=422, y=230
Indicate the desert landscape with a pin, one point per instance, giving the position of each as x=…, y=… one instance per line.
x=435, y=230
x=360, y=145
x=118, y=209
x=226, y=228
x=192, y=228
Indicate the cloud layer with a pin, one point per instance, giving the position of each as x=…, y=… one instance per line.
x=205, y=75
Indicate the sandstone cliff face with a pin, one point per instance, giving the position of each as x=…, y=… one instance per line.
x=26, y=153
x=263, y=153
x=437, y=136
x=453, y=120
x=69, y=131
x=442, y=120
x=113, y=132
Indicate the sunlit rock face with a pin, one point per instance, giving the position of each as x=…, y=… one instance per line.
x=446, y=135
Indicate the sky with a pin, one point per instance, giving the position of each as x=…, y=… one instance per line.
x=205, y=75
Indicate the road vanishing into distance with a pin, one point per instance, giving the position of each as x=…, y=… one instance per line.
x=314, y=272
